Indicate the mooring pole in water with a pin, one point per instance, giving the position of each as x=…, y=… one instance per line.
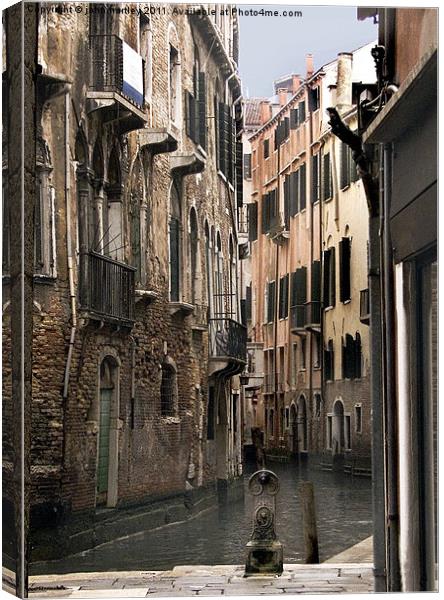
x=306, y=494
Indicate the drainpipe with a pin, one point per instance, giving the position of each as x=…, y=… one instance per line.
x=321, y=300
x=72, y=293
x=310, y=385
x=391, y=441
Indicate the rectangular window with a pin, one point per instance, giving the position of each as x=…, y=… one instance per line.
x=270, y=212
x=283, y=297
x=202, y=111
x=344, y=266
x=329, y=278
x=271, y=306
x=302, y=188
x=294, y=119
x=298, y=297
x=287, y=181
x=294, y=193
x=313, y=99
x=248, y=303
x=266, y=148
x=252, y=221
x=358, y=418
x=329, y=362
x=247, y=166
x=327, y=178
x=301, y=111
x=315, y=178
x=345, y=165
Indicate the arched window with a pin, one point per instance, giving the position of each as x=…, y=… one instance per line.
x=96, y=222
x=194, y=254
x=135, y=221
x=174, y=84
x=302, y=429
x=233, y=280
x=112, y=213
x=168, y=390
x=106, y=470
x=208, y=269
x=218, y=278
x=175, y=243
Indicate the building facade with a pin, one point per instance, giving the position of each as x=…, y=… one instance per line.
x=137, y=335
x=305, y=225
x=399, y=132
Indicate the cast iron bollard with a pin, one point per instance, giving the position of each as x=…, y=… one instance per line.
x=264, y=551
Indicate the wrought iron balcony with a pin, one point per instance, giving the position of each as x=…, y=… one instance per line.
x=228, y=340
x=108, y=289
x=313, y=315
x=117, y=81
x=364, y=312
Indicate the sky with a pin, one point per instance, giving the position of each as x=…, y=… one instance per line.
x=271, y=47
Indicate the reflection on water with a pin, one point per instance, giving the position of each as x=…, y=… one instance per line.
x=344, y=517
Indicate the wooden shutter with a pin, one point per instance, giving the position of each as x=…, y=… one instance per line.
x=266, y=148
x=239, y=174
x=287, y=202
x=316, y=281
x=302, y=187
x=230, y=144
x=326, y=177
x=248, y=303
x=294, y=193
x=353, y=168
x=301, y=111
x=326, y=279
x=345, y=166
x=265, y=225
x=222, y=137
x=202, y=111
x=252, y=221
x=332, y=283
x=315, y=178
x=286, y=128
x=283, y=297
x=357, y=356
x=294, y=118
x=344, y=264
x=191, y=116
x=271, y=301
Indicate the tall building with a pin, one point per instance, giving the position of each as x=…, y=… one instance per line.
x=399, y=132
x=137, y=340
x=304, y=218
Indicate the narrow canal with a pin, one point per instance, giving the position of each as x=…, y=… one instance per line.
x=344, y=516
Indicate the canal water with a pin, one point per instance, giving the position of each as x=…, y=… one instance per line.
x=344, y=517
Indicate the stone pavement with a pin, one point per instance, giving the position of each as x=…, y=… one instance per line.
x=192, y=580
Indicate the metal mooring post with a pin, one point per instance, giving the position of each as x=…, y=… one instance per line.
x=264, y=551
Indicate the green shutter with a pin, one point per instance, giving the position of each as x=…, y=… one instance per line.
x=315, y=178
x=302, y=187
x=252, y=221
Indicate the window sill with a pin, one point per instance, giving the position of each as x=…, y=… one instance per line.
x=180, y=307
x=328, y=308
x=346, y=301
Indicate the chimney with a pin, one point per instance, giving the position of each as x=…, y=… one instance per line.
x=282, y=93
x=344, y=81
x=295, y=83
x=265, y=111
x=309, y=65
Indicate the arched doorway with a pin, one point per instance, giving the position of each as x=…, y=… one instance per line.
x=338, y=428
x=107, y=445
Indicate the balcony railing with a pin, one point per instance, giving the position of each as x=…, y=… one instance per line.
x=108, y=288
x=228, y=339
x=364, y=311
x=116, y=67
x=313, y=314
